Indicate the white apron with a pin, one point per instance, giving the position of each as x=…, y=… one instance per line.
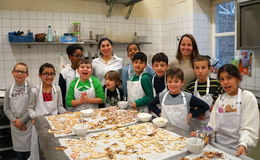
x=118, y=97
x=71, y=74
x=176, y=114
x=228, y=124
x=154, y=92
x=43, y=108
x=135, y=91
x=21, y=139
x=90, y=93
x=195, y=123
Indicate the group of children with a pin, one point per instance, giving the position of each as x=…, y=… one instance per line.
x=158, y=89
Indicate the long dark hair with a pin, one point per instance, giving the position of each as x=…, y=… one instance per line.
x=195, y=51
x=231, y=69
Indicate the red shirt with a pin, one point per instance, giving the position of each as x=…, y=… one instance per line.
x=47, y=96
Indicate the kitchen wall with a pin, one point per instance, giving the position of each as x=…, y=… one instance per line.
x=162, y=21
x=119, y=29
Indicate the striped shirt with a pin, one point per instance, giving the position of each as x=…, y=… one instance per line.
x=215, y=88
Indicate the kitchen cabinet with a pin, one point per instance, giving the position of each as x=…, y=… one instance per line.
x=5, y=132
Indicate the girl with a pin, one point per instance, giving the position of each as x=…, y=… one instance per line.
x=187, y=51
x=86, y=91
x=18, y=97
x=113, y=94
x=128, y=70
x=107, y=60
x=48, y=102
x=235, y=116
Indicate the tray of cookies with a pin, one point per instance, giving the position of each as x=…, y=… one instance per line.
x=136, y=142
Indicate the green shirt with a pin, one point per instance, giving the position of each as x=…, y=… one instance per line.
x=83, y=86
x=146, y=82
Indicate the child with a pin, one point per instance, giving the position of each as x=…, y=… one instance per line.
x=75, y=54
x=235, y=115
x=139, y=90
x=160, y=65
x=177, y=106
x=203, y=87
x=18, y=97
x=48, y=102
x=86, y=91
x=113, y=94
x=128, y=70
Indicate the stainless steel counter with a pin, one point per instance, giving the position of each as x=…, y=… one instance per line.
x=48, y=142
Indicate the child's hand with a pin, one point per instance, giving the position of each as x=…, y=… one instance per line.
x=18, y=123
x=33, y=121
x=193, y=133
x=241, y=150
x=201, y=117
x=84, y=97
x=189, y=118
x=133, y=105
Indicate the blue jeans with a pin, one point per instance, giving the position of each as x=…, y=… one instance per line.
x=22, y=155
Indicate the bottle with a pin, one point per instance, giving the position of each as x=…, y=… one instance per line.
x=49, y=35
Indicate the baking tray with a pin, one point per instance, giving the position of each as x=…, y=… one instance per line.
x=98, y=120
x=144, y=141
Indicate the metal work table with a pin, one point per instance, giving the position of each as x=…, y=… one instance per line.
x=48, y=142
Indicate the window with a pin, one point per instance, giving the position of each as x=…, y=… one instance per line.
x=223, y=31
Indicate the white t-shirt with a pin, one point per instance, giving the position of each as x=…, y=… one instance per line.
x=100, y=68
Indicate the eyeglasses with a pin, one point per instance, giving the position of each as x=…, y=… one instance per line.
x=78, y=56
x=20, y=72
x=48, y=74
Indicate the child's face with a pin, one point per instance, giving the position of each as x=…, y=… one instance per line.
x=106, y=48
x=76, y=57
x=47, y=76
x=110, y=84
x=20, y=74
x=174, y=85
x=186, y=47
x=139, y=66
x=85, y=71
x=160, y=68
x=201, y=70
x=229, y=83
x=131, y=51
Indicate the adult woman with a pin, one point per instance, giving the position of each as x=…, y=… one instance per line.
x=107, y=61
x=187, y=51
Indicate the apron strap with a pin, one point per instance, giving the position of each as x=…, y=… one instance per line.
x=183, y=98
x=165, y=84
x=12, y=88
x=207, y=88
x=238, y=100
x=117, y=91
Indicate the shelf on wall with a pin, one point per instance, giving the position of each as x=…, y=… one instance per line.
x=68, y=43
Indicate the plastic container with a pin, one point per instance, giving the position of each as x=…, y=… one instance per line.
x=76, y=27
x=14, y=38
x=68, y=39
x=77, y=35
x=49, y=35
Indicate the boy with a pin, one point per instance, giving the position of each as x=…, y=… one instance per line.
x=128, y=70
x=86, y=91
x=139, y=87
x=203, y=87
x=18, y=98
x=177, y=106
x=75, y=54
x=160, y=65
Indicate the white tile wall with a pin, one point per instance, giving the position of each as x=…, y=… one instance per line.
x=161, y=32
x=117, y=27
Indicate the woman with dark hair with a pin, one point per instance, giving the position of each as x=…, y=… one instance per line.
x=107, y=60
x=187, y=51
